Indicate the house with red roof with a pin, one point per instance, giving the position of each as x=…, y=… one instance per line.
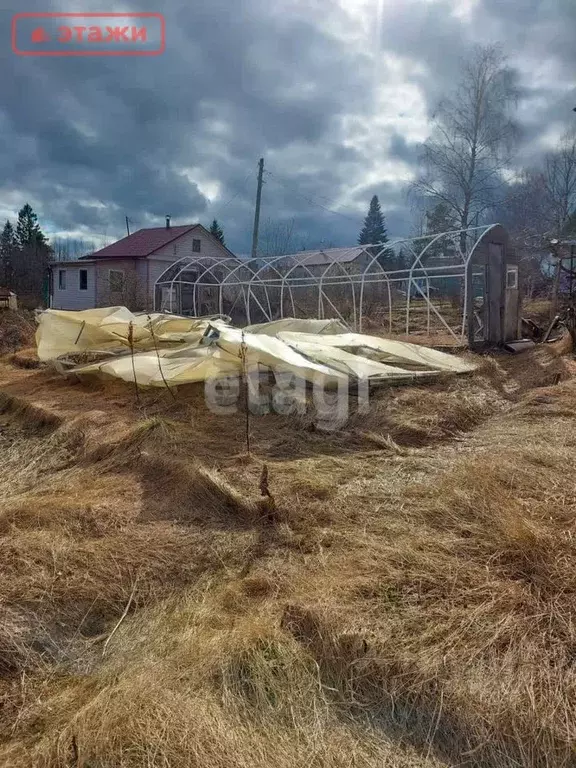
x=125, y=272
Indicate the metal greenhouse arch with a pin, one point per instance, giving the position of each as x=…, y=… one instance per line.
x=434, y=283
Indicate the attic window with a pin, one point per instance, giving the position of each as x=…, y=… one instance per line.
x=196, y=245
x=512, y=277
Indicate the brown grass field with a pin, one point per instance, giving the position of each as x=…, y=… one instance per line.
x=406, y=600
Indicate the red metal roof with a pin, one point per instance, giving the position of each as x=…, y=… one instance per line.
x=141, y=243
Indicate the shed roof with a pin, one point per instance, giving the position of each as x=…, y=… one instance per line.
x=326, y=256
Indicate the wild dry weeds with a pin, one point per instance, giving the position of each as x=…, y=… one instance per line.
x=411, y=606
x=17, y=328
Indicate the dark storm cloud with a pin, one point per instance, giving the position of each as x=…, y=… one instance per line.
x=90, y=140
x=227, y=89
x=400, y=149
x=541, y=34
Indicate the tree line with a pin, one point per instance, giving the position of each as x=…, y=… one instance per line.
x=25, y=254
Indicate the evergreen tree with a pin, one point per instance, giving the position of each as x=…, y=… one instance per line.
x=374, y=229
x=404, y=259
x=8, y=248
x=439, y=219
x=31, y=265
x=28, y=232
x=217, y=231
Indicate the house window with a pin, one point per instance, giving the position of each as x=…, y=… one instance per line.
x=196, y=246
x=61, y=279
x=512, y=277
x=116, y=278
x=83, y=279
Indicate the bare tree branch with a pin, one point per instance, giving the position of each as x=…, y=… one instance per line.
x=560, y=183
x=473, y=139
x=277, y=238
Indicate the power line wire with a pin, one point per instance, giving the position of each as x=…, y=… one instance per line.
x=234, y=196
x=336, y=203
x=311, y=200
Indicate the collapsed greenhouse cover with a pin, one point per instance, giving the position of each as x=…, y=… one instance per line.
x=159, y=349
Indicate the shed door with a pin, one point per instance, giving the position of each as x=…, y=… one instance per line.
x=512, y=317
x=494, y=293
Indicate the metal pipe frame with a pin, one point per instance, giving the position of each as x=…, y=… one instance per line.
x=288, y=274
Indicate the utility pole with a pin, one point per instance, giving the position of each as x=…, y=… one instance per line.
x=257, y=211
x=128, y=226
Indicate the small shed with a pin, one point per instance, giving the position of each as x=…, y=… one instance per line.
x=493, y=273
x=8, y=299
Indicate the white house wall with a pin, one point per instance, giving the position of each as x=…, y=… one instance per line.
x=145, y=272
x=150, y=269
x=72, y=297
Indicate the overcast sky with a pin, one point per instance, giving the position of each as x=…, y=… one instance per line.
x=334, y=94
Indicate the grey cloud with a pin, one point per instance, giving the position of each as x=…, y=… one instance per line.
x=400, y=149
x=238, y=80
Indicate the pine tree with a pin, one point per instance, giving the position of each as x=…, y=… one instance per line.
x=28, y=232
x=403, y=259
x=439, y=219
x=8, y=247
x=217, y=231
x=374, y=229
x=31, y=267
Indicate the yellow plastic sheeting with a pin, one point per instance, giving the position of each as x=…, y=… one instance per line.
x=223, y=356
x=62, y=332
x=152, y=370
x=386, y=350
x=298, y=325
x=177, y=350
x=271, y=352
x=355, y=365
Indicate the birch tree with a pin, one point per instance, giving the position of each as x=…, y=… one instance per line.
x=472, y=139
x=277, y=238
x=560, y=186
x=526, y=215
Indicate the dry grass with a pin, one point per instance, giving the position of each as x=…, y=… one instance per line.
x=537, y=310
x=25, y=358
x=411, y=604
x=17, y=329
